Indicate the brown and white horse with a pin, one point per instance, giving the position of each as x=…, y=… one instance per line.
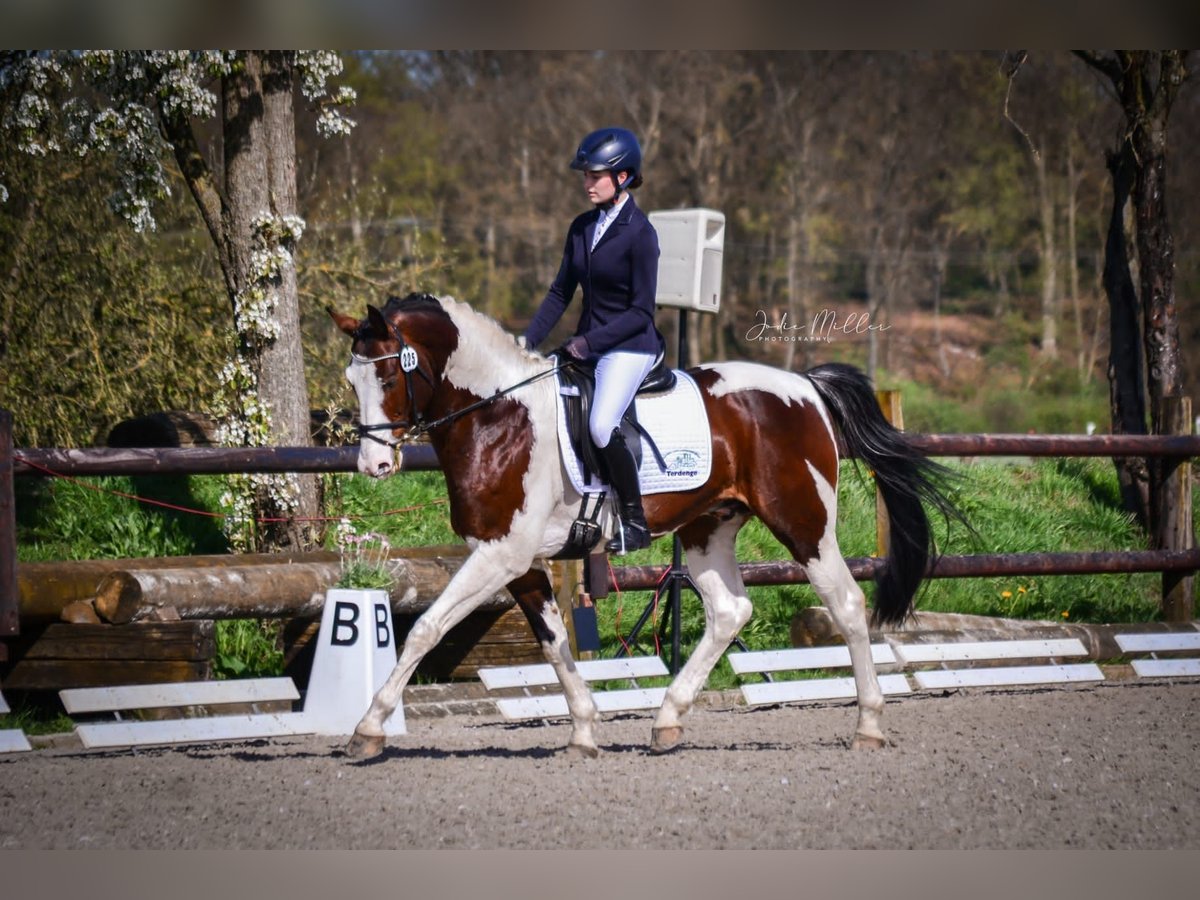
x=427, y=363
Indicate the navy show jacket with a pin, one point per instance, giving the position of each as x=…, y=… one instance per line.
x=619, y=280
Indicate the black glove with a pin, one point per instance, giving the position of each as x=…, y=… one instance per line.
x=575, y=348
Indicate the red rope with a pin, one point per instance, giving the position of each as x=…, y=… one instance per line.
x=612, y=576
x=218, y=515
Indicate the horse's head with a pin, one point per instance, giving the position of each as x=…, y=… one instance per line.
x=396, y=363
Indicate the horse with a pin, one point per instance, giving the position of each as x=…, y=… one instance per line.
x=424, y=365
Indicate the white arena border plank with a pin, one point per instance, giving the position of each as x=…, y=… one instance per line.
x=12, y=740
x=554, y=706
x=538, y=674
x=1158, y=643
x=1007, y=675
x=1166, y=668
x=550, y=706
x=190, y=731
x=817, y=689
x=835, y=657
x=984, y=650
x=1162, y=643
x=193, y=693
x=802, y=689
x=219, y=727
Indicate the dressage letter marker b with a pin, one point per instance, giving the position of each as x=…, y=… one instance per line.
x=345, y=631
x=356, y=651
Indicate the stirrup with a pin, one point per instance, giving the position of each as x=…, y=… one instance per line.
x=628, y=537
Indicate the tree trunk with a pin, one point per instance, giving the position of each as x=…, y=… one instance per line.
x=1125, y=373
x=1049, y=261
x=282, y=377
x=1074, y=177
x=260, y=178
x=1146, y=83
x=940, y=260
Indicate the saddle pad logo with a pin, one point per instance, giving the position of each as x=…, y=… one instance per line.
x=682, y=464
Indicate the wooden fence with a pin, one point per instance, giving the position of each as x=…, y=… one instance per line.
x=1177, y=557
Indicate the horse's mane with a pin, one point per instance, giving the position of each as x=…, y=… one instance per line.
x=413, y=303
x=486, y=337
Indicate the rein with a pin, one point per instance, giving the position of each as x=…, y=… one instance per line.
x=414, y=431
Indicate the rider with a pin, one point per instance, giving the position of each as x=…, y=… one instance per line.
x=612, y=251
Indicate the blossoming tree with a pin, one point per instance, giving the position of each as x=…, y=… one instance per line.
x=145, y=108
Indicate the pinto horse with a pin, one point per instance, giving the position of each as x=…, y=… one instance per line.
x=426, y=365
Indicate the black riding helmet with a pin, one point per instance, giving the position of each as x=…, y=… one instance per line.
x=610, y=149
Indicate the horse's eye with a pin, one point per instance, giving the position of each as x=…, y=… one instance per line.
x=388, y=384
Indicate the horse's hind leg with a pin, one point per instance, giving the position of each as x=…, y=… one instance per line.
x=536, y=598
x=709, y=543
x=831, y=579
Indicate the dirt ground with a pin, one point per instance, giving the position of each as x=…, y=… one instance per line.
x=1105, y=766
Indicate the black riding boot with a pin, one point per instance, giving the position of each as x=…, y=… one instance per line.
x=623, y=479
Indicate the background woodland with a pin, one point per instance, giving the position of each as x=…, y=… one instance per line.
x=960, y=205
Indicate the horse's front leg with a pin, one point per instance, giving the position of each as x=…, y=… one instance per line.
x=483, y=573
x=536, y=598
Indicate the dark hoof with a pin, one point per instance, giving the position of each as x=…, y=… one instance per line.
x=364, y=746
x=664, y=740
x=582, y=751
x=867, y=742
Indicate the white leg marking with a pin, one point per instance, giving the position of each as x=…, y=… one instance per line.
x=831, y=579
x=726, y=609
x=482, y=574
x=582, y=706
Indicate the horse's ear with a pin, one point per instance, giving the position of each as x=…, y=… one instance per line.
x=347, y=324
x=377, y=321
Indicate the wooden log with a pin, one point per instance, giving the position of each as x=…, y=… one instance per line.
x=45, y=589
x=265, y=590
x=149, y=641
x=57, y=674
x=66, y=656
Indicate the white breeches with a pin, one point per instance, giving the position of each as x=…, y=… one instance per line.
x=618, y=376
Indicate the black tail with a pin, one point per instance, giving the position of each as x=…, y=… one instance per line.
x=905, y=477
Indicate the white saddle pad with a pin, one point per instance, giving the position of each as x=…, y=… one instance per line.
x=678, y=422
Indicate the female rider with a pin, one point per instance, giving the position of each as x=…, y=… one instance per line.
x=612, y=252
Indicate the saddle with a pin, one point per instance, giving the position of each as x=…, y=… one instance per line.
x=577, y=387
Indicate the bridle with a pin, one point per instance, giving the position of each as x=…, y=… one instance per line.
x=418, y=426
x=409, y=362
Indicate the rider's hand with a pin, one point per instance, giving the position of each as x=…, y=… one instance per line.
x=576, y=347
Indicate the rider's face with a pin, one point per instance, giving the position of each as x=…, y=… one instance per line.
x=599, y=186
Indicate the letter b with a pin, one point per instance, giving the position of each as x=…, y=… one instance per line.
x=345, y=616
x=382, y=634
